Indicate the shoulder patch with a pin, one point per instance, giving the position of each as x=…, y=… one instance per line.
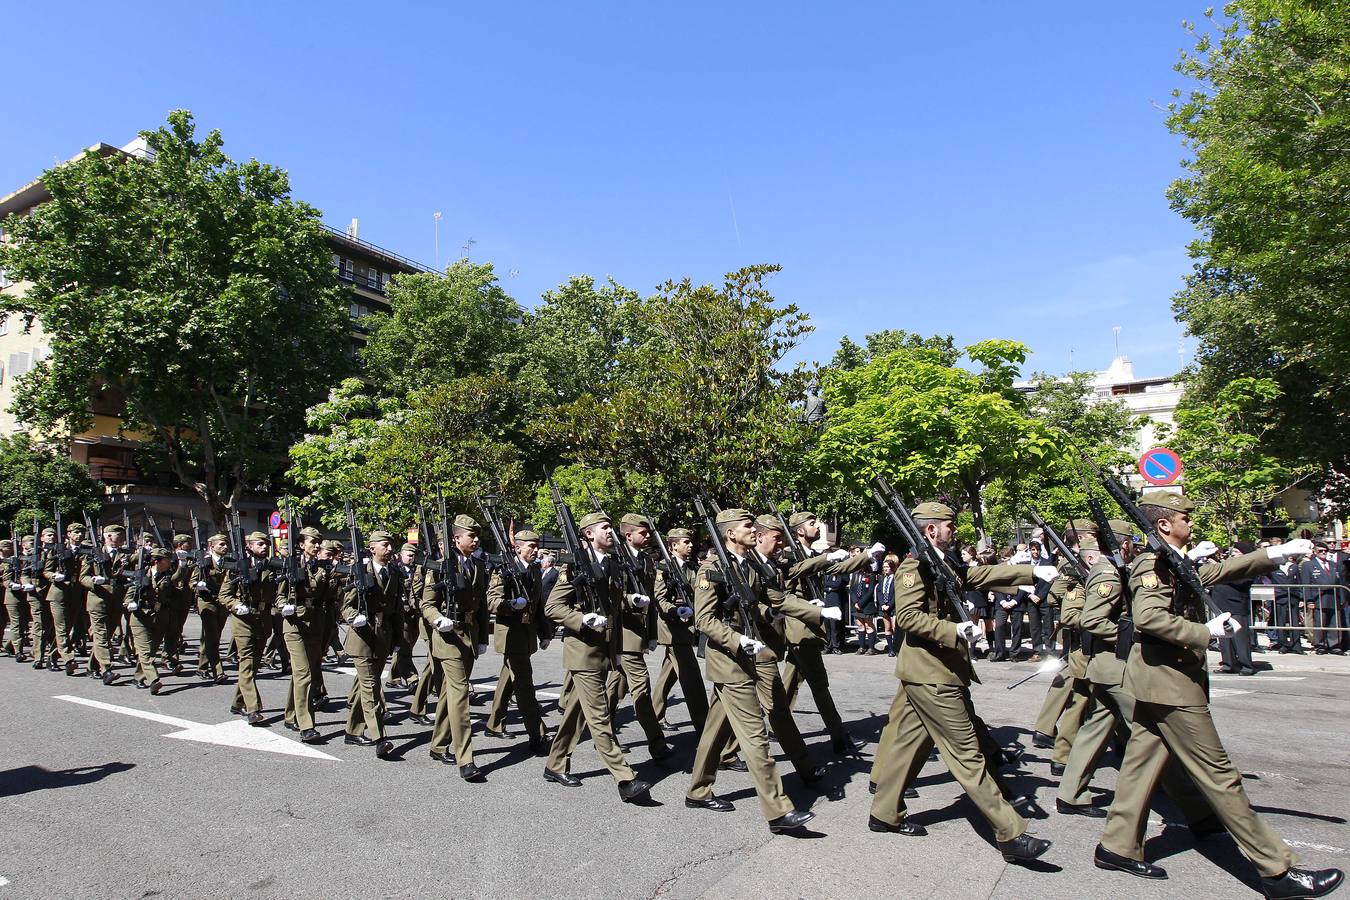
x=908, y=579
x=703, y=583
x=1149, y=580
x=1104, y=589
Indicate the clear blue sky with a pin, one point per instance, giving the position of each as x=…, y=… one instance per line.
x=989, y=170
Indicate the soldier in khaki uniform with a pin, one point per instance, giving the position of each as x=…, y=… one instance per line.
x=61, y=567
x=44, y=635
x=1069, y=696
x=23, y=606
x=206, y=581
x=105, y=586
x=14, y=605
x=146, y=602
x=589, y=649
x=676, y=632
x=303, y=618
x=403, y=672
x=171, y=627
x=458, y=615
x=1168, y=678
x=251, y=606
x=932, y=705
x=370, y=637
x=744, y=673
x=521, y=629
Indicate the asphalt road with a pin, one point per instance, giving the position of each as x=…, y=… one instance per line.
x=98, y=802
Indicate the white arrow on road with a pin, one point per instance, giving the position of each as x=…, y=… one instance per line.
x=235, y=733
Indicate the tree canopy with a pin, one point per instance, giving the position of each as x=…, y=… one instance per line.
x=37, y=479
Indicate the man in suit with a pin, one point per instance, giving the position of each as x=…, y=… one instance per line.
x=521, y=629
x=1287, y=634
x=370, y=619
x=1166, y=674
x=1235, y=598
x=548, y=573
x=1323, y=590
x=837, y=590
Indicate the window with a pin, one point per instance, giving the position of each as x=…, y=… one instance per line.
x=345, y=268
x=359, y=310
x=2, y=373
x=372, y=279
x=18, y=364
x=4, y=324
x=4, y=279
x=42, y=353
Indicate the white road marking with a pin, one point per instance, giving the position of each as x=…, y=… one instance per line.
x=1225, y=692
x=1225, y=676
x=548, y=695
x=234, y=733
x=1320, y=848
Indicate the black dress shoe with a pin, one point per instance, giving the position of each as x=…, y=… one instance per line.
x=1022, y=848
x=633, y=789
x=791, y=821
x=205, y=676
x=256, y=719
x=384, y=749
x=717, y=804
x=813, y=774
x=40, y=664
x=109, y=676
x=447, y=758
x=70, y=667
x=1057, y=769
x=291, y=726
x=1246, y=670
x=1074, y=809
x=420, y=719
x=310, y=736
x=1008, y=756
x=472, y=773
x=156, y=686
x=359, y=740
x=236, y=710
x=736, y=765
x=844, y=745
x=661, y=750
x=1105, y=859
x=141, y=685
x=1302, y=883
x=222, y=678
x=566, y=779
x=911, y=794
x=499, y=735
x=1042, y=740
x=905, y=827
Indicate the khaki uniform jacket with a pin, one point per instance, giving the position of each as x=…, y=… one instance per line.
x=159, y=594
x=68, y=590
x=1068, y=594
x=259, y=595
x=309, y=597
x=670, y=628
x=214, y=574
x=718, y=616
x=115, y=590
x=785, y=608
x=1103, y=604
x=373, y=639
x=639, y=625
x=934, y=653
x=799, y=630
x=470, y=607
x=1167, y=664
x=516, y=632
x=584, y=649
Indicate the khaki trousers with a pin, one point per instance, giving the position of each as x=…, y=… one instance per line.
x=100, y=654
x=681, y=664
x=517, y=680
x=365, y=700
x=143, y=640
x=452, y=711
x=634, y=679
x=587, y=703
x=63, y=618
x=306, y=653
x=428, y=680
x=249, y=639
x=1187, y=733
x=736, y=710
x=924, y=715
x=16, y=607
x=213, y=618
x=806, y=662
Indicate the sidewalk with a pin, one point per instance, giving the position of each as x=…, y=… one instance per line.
x=1293, y=662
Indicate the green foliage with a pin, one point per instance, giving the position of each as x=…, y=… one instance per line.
x=579, y=484
x=850, y=356
x=189, y=286
x=1267, y=124
x=35, y=478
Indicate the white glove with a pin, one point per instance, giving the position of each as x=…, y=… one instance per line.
x=836, y=555
x=202, y=585
x=359, y=622
x=877, y=550
x=968, y=630
x=1045, y=573
x=15, y=586
x=970, y=607
x=241, y=609
x=833, y=613
x=1007, y=604
x=29, y=586
x=651, y=645
x=98, y=579
x=1203, y=549
x=480, y=649
x=750, y=645
x=684, y=612
x=594, y=621
x=544, y=642
x=288, y=609
x=59, y=576
x=443, y=625
x=131, y=606
x=1020, y=558
x=641, y=601
x=817, y=602
x=1296, y=547
x=519, y=603
x=1217, y=625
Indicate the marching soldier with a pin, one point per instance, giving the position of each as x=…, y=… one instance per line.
x=184, y=597
x=746, y=684
x=370, y=620
x=66, y=595
x=403, y=673
x=36, y=587
x=250, y=603
x=676, y=632
x=588, y=654
x=146, y=601
x=330, y=553
x=1168, y=678
x=932, y=705
x=521, y=629
x=206, y=581
x=457, y=612
x=16, y=604
x=303, y=619
x=105, y=584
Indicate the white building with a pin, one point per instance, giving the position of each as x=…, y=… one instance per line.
x=1156, y=398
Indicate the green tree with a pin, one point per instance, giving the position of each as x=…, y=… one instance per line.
x=329, y=463
x=36, y=479
x=578, y=484
x=1267, y=124
x=850, y=356
x=188, y=287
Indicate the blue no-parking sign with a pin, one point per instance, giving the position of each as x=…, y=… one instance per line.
x=1160, y=466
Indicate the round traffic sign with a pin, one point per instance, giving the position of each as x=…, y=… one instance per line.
x=274, y=521
x=1160, y=466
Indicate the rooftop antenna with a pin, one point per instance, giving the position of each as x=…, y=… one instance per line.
x=1115, y=331
x=468, y=244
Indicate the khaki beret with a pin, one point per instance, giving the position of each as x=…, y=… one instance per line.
x=181, y=537
x=934, y=510
x=377, y=536
x=412, y=547
x=767, y=522
x=732, y=516
x=335, y=546
x=49, y=531
x=1121, y=527
x=114, y=529
x=677, y=533
x=633, y=521
x=526, y=535
x=1169, y=500
x=592, y=518
x=800, y=518
x=258, y=536
x=312, y=532
x=1080, y=526
x=7, y=544
x=74, y=528
x=160, y=553
x=218, y=536
x=466, y=523
x=1088, y=542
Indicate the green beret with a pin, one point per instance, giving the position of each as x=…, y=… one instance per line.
x=160, y=553
x=311, y=531
x=1121, y=527
x=377, y=536
x=1080, y=526
x=180, y=538
x=1169, y=500
x=676, y=533
x=74, y=528
x=592, y=518
x=332, y=546
x=7, y=543
x=632, y=521
x=47, y=531
x=732, y=516
x=258, y=536
x=466, y=523
x=800, y=518
x=114, y=529
x=526, y=535
x=218, y=537
x=767, y=522
x=934, y=510
x=412, y=547
x=1088, y=542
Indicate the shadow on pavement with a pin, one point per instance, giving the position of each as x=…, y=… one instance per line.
x=27, y=779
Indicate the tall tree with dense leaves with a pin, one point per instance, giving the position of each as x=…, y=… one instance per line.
x=36, y=479
x=189, y=288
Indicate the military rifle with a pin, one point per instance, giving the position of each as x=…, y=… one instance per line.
x=739, y=595
x=154, y=529
x=62, y=549
x=97, y=553
x=585, y=572
x=512, y=570
x=814, y=589
x=621, y=553
x=449, y=580
x=944, y=578
x=362, y=579
x=674, y=571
